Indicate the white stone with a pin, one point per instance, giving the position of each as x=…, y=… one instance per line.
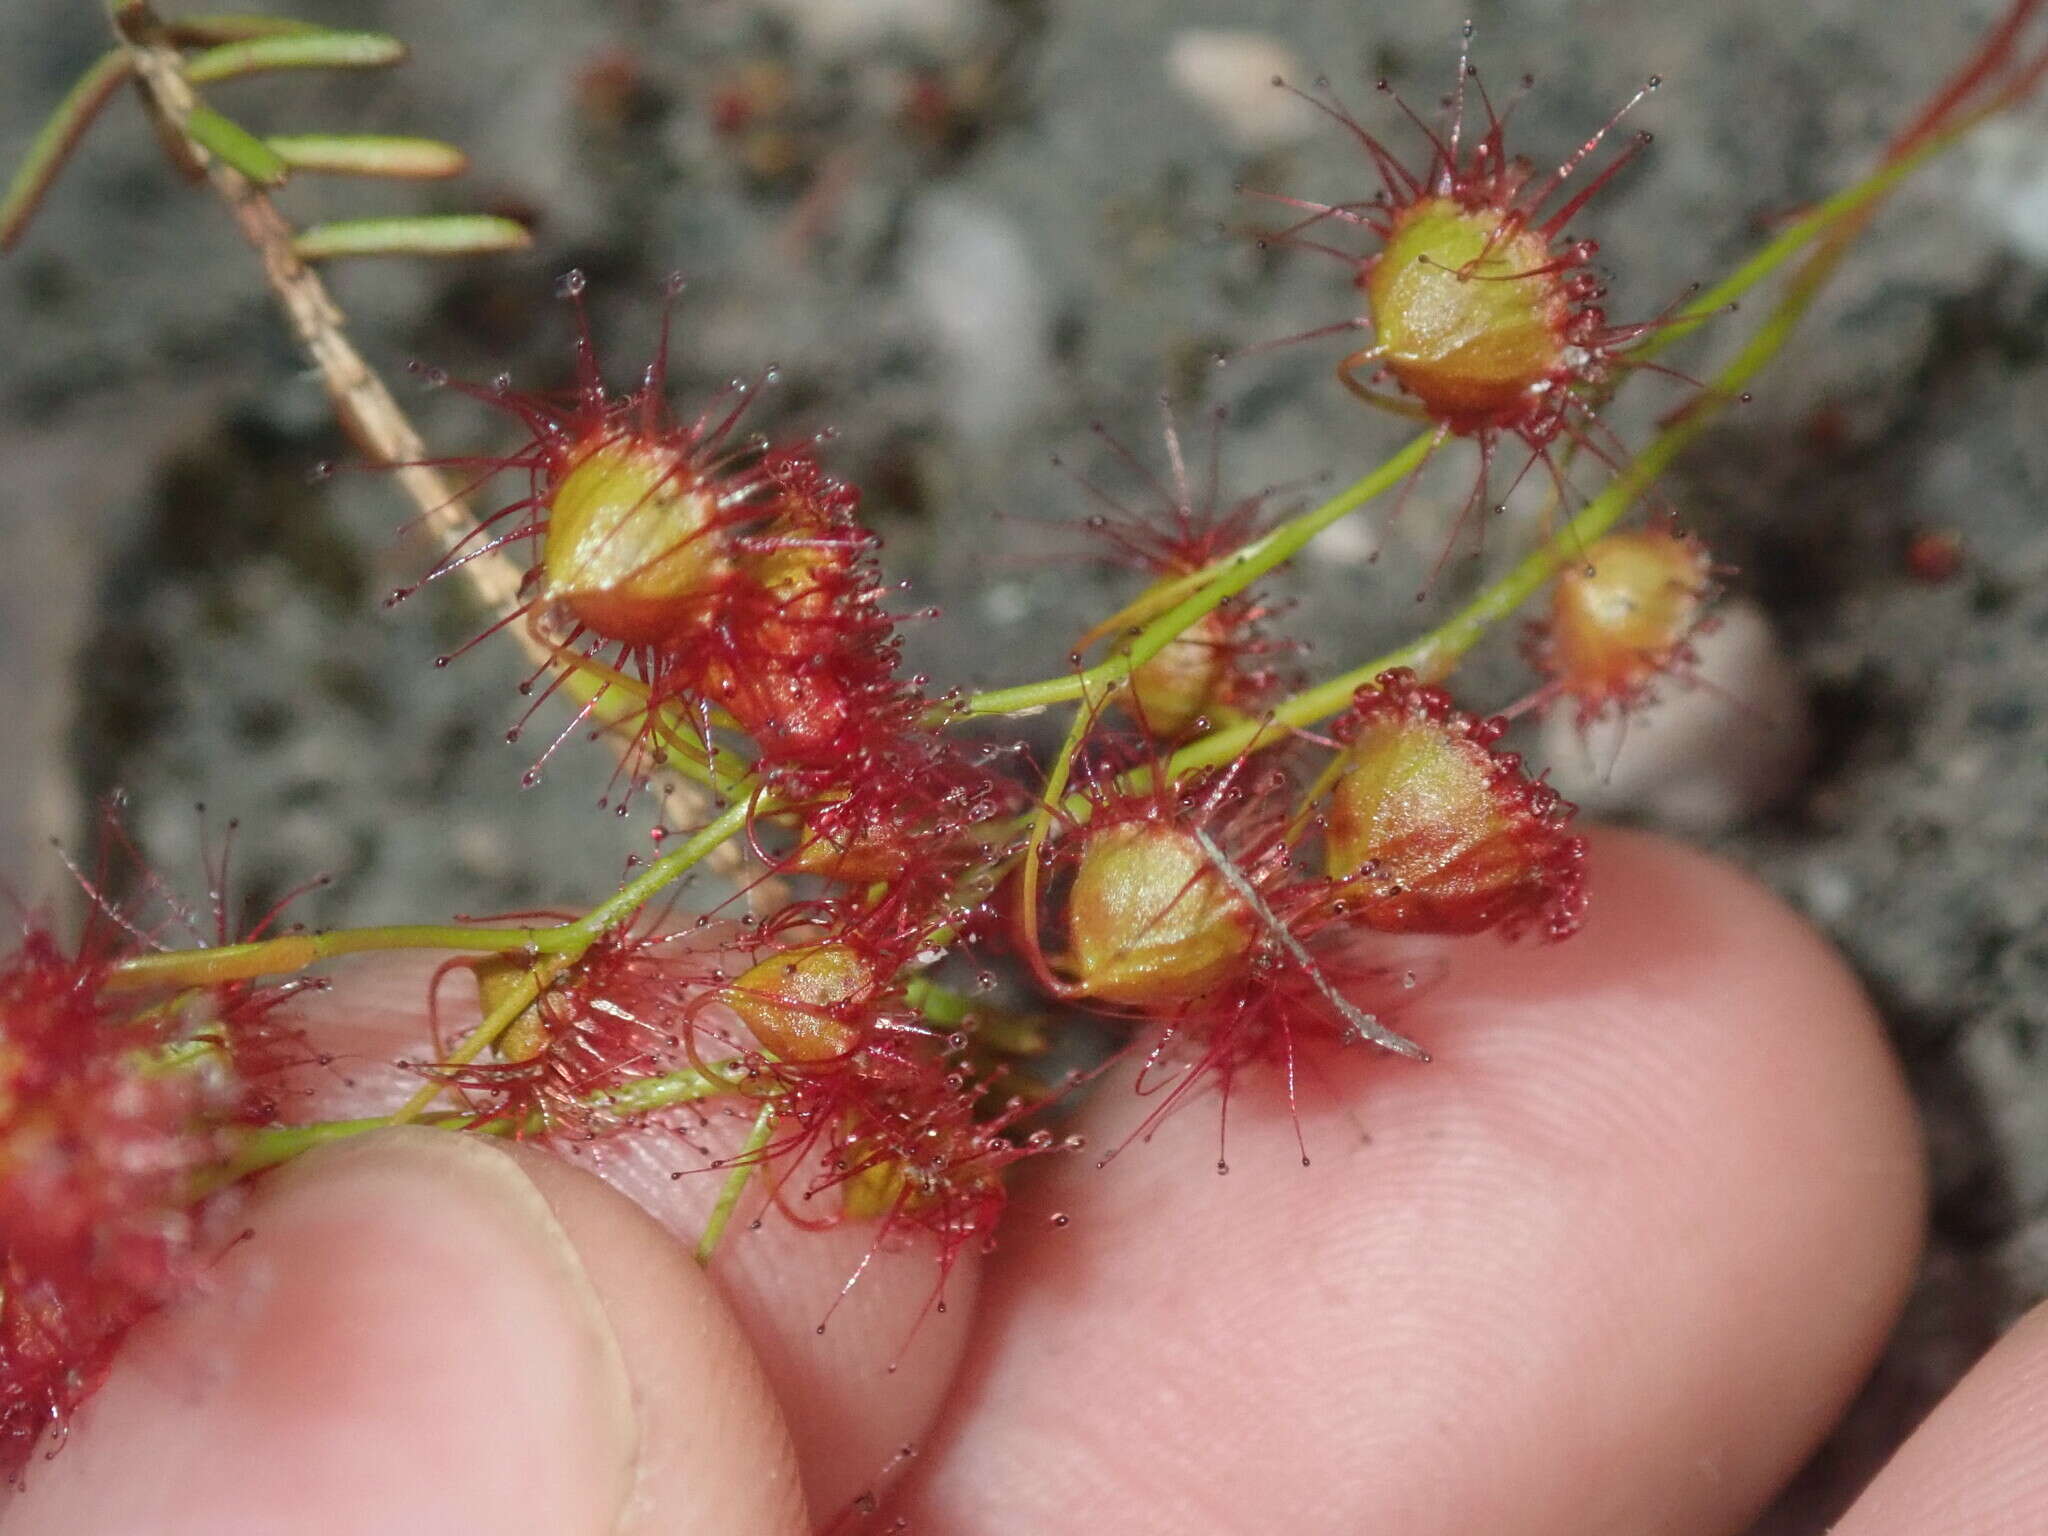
x=1005, y=604
x=1351, y=541
x=1703, y=755
x=1230, y=75
x=2009, y=183
x=848, y=26
x=1830, y=892
x=971, y=274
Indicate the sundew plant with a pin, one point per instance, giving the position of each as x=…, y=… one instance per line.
x=1193, y=859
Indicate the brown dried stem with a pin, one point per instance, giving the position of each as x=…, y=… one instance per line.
x=362, y=401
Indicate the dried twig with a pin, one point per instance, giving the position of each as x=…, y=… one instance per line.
x=362, y=401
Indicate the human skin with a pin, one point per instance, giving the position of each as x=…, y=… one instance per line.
x=1612, y=1263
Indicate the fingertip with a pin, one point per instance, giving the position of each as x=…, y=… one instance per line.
x=859, y=1398
x=424, y=1332
x=860, y=1331
x=1639, y=1228
x=1707, y=1027
x=1979, y=1465
x=715, y=1450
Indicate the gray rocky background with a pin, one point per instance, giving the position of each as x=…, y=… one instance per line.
x=965, y=229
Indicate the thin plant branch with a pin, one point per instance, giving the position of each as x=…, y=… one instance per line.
x=362, y=401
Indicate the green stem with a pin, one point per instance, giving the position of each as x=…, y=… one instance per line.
x=1208, y=586
x=1042, y=816
x=616, y=702
x=568, y=944
x=295, y=951
x=515, y=1000
x=272, y=1145
x=267, y=1148
x=651, y=1093
x=1224, y=580
x=1436, y=653
x=1824, y=217
x=664, y=871
x=745, y=1166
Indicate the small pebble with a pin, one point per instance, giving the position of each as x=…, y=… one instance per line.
x=978, y=284
x=1230, y=75
x=1701, y=756
x=852, y=26
x=2008, y=183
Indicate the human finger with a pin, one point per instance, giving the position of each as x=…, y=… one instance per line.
x=1980, y=1462
x=423, y=1331
x=860, y=1369
x=1611, y=1263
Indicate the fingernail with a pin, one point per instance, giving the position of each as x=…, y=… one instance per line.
x=407, y=1340
x=495, y=1310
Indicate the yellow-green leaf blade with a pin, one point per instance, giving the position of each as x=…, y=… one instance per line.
x=295, y=50
x=235, y=145
x=455, y=234
x=56, y=139
x=363, y=154
x=209, y=31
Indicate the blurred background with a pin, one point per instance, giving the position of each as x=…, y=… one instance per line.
x=966, y=230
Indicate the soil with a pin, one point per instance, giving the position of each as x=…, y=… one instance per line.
x=965, y=230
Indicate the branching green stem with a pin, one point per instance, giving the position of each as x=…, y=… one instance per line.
x=1221, y=581
x=516, y=999
x=1435, y=654
x=236, y=159
x=569, y=943
x=1200, y=592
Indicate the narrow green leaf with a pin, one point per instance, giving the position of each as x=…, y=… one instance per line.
x=236, y=145
x=55, y=141
x=364, y=154
x=228, y=27
x=454, y=234
x=295, y=50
